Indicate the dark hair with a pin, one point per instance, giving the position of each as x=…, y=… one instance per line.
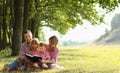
x=53, y=39
x=27, y=31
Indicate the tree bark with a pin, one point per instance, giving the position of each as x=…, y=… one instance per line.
x=18, y=26
x=11, y=23
x=11, y=13
x=26, y=16
x=1, y=13
x=4, y=25
x=33, y=27
x=0, y=31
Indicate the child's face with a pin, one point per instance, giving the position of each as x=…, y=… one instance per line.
x=34, y=45
x=41, y=48
x=52, y=46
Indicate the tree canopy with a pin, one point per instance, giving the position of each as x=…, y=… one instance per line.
x=68, y=13
x=60, y=15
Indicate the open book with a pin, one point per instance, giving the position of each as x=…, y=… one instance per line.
x=33, y=58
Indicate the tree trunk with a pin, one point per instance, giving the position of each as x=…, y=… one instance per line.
x=1, y=13
x=11, y=13
x=26, y=16
x=1, y=21
x=0, y=34
x=4, y=25
x=0, y=31
x=18, y=26
x=37, y=17
x=12, y=21
x=33, y=27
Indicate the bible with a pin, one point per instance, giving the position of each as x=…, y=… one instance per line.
x=33, y=58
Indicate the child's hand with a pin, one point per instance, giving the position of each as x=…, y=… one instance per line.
x=42, y=61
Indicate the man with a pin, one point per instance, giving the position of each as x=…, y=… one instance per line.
x=23, y=50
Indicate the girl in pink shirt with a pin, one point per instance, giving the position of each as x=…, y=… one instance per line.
x=38, y=49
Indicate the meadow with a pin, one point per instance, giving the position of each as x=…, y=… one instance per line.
x=82, y=59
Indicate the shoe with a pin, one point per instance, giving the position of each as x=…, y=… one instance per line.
x=6, y=68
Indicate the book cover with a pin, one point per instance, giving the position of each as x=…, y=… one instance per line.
x=33, y=58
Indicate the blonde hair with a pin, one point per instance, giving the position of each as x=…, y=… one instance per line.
x=35, y=41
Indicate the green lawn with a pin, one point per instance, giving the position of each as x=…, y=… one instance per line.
x=84, y=59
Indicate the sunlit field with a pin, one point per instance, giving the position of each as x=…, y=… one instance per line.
x=83, y=59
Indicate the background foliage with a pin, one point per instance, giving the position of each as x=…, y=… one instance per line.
x=60, y=15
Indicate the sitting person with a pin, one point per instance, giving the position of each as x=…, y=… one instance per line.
x=37, y=50
x=53, y=52
x=45, y=56
x=24, y=49
x=33, y=49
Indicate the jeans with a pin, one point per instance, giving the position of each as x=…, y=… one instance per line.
x=13, y=66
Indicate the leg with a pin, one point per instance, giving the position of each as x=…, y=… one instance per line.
x=56, y=66
x=44, y=66
x=22, y=67
x=29, y=66
x=36, y=67
x=12, y=66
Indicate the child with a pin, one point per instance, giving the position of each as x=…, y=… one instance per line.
x=33, y=49
x=45, y=56
x=53, y=52
x=38, y=49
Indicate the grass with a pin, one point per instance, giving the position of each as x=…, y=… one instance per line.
x=83, y=59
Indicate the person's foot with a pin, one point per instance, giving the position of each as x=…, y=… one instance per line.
x=35, y=65
x=6, y=68
x=19, y=69
x=44, y=66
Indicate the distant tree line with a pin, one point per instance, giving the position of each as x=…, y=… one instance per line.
x=72, y=43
